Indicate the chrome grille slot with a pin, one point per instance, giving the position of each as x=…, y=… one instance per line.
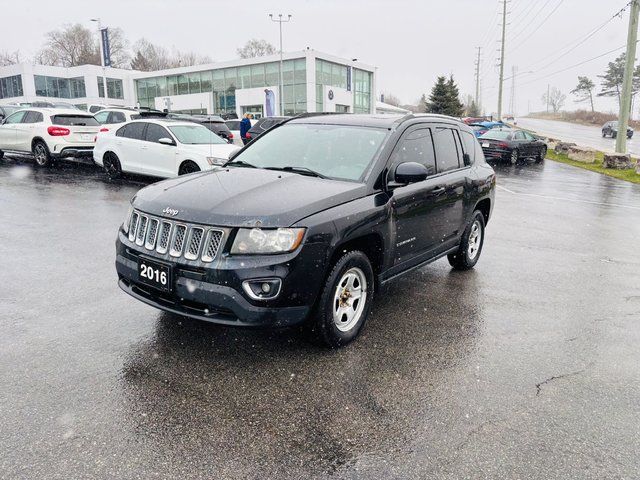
x=178, y=240
x=212, y=245
x=133, y=226
x=142, y=229
x=163, y=237
x=193, y=245
x=152, y=234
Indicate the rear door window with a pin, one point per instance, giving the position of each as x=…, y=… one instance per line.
x=33, y=117
x=117, y=117
x=446, y=151
x=101, y=117
x=135, y=131
x=74, y=120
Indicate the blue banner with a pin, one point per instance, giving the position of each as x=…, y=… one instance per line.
x=270, y=102
x=106, y=50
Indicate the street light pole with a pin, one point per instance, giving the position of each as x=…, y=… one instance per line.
x=280, y=86
x=104, y=70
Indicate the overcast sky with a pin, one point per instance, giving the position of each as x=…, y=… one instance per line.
x=411, y=42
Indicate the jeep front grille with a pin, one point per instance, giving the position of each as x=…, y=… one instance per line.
x=177, y=239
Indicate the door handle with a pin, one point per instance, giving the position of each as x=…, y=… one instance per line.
x=438, y=190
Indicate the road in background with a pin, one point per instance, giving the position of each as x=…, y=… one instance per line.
x=585, y=135
x=526, y=367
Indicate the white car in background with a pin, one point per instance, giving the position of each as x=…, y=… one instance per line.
x=49, y=134
x=234, y=127
x=160, y=148
x=114, y=117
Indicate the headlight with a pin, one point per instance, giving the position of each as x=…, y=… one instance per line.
x=127, y=220
x=216, y=160
x=256, y=240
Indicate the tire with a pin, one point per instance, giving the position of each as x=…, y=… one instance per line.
x=541, y=155
x=41, y=154
x=345, y=301
x=112, y=166
x=614, y=134
x=187, y=167
x=514, y=156
x=1, y=154
x=470, y=245
x=604, y=134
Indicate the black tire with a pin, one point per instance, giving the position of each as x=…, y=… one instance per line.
x=604, y=134
x=514, y=156
x=470, y=246
x=1, y=154
x=614, y=134
x=112, y=166
x=41, y=154
x=541, y=154
x=338, y=317
x=187, y=167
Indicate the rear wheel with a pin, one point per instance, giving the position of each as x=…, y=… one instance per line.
x=604, y=134
x=188, y=166
x=41, y=154
x=614, y=134
x=111, y=165
x=345, y=301
x=1, y=154
x=514, y=156
x=541, y=155
x=471, y=244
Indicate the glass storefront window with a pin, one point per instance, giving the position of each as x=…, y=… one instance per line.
x=287, y=72
x=41, y=85
x=231, y=78
x=272, y=74
x=194, y=82
x=218, y=80
x=244, y=77
x=11, y=86
x=183, y=85
x=205, y=81
x=257, y=76
x=172, y=85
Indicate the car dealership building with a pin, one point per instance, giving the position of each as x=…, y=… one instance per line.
x=311, y=82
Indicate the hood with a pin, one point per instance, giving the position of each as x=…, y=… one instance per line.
x=222, y=150
x=239, y=196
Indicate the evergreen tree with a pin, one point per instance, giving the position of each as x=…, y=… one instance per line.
x=439, y=98
x=612, y=79
x=455, y=107
x=444, y=98
x=584, y=90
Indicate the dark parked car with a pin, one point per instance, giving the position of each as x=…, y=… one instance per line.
x=264, y=124
x=6, y=110
x=309, y=232
x=611, y=129
x=213, y=122
x=512, y=145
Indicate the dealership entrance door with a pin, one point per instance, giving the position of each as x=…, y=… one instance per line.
x=255, y=110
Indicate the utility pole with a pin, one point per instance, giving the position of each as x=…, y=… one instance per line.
x=627, y=83
x=504, y=30
x=281, y=86
x=478, y=79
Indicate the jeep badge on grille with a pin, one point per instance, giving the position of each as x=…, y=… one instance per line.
x=170, y=211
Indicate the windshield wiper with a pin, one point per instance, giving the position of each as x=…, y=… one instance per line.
x=239, y=163
x=300, y=170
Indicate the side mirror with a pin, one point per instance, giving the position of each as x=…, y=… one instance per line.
x=166, y=141
x=410, y=172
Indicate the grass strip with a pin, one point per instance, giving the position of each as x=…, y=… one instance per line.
x=628, y=175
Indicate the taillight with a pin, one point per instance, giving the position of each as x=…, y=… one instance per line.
x=58, y=131
x=503, y=145
x=230, y=135
x=247, y=135
x=104, y=129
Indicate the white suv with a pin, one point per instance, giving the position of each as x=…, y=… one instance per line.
x=49, y=134
x=160, y=148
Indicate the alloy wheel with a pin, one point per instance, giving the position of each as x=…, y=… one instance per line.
x=349, y=299
x=475, y=240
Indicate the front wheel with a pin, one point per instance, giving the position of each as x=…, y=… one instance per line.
x=41, y=154
x=470, y=245
x=188, y=166
x=604, y=134
x=614, y=134
x=345, y=301
x=514, y=157
x=541, y=155
x=1, y=154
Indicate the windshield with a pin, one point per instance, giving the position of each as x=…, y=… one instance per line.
x=195, y=135
x=335, y=151
x=497, y=135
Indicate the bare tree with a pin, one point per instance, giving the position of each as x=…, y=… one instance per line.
x=555, y=99
x=391, y=99
x=187, y=59
x=256, y=48
x=149, y=57
x=77, y=45
x=9, y=58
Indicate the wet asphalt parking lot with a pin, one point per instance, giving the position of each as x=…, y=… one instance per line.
x=527, y=367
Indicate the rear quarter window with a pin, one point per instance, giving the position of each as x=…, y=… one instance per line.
x=469, y=144
x=74, y=120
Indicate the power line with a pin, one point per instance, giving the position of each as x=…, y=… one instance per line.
x=539, y=26
x=531, y=21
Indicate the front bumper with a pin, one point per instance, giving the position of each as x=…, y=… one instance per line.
x=213, y=291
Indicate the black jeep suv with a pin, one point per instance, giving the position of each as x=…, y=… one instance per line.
x=306, y=222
